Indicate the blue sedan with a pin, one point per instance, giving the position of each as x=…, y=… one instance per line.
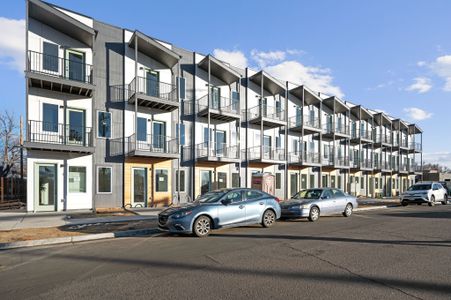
x=312, y=203
x=221, y=209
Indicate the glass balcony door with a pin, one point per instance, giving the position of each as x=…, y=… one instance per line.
x=76, y=126
x=298, y=116
x=75, y=65
x=215, y=97
x=220, y=142
x=159, y=136
x=152, y=83
x=139, y=187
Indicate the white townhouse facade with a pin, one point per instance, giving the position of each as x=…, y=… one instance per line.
x=117, y=118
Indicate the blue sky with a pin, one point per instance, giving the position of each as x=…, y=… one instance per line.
x=389, y=55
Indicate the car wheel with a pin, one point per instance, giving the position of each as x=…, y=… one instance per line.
x=202, y=226
x=432, y=202
x=314, y=214
x=404, y=203
x=348, y=210
x=269, y=218
x=445, y=200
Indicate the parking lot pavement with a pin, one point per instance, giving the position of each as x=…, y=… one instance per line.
x=398, y=253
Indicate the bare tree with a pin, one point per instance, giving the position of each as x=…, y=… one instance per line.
x=9, y=143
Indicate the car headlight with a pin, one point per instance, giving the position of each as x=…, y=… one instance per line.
x=182, y=214
x=304, y=206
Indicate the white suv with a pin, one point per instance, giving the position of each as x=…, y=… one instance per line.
x=425, y=192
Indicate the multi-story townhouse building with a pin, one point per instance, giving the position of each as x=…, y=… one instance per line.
x=116, y=118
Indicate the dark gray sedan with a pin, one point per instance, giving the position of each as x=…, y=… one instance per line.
x=312, y=203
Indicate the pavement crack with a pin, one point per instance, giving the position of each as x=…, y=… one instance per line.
x=213, y=259
x=343, y=268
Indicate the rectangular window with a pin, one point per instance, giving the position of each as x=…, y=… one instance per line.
x=182, y=180
x=339, y=181
x=278, y=180
x=50, y=117
x=351, y=179
x=235, y=101
x=77, y=179
x=104, y=180
x=161, y=177
x=181, y=87
x=50, y=57
x=303, y=181
x=104, y=124
x=235, y=180
x=182, y=133
x=142, y=129
x=312, y=181
x=222, y=180
x=332, y=181
x=362, y=183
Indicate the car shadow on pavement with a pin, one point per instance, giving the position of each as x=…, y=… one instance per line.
x=437, y=243
x=180, y=266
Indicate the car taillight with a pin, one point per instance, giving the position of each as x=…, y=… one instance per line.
x=277, y=199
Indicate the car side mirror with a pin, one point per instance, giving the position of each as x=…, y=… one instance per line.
x=226, y=201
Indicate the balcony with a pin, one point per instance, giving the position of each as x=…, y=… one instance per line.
x=415, y=147
x=153, y=94
x=309, y=159
x=403, y=168
x=59, y=74
x=361, y=136
x=331, y=162
x=271, y=117
x=382, y=166
x=362, y=165
x=310, y=124
x=59, y=137
x=400, y=145
x=383, y=140
x=218, y=152
x=339, y=131
x=220, y=108
x=265, y=155
x=158, y=146
x=415, y=169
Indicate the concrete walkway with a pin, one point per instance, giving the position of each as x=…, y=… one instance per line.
x=21, y=220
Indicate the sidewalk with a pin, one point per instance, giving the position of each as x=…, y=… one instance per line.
x=23, y=220
x=373, y=202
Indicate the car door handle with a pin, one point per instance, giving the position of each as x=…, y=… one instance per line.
x=241, y=206
x=261, y=203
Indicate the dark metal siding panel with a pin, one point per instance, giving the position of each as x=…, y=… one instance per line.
x=108, y=63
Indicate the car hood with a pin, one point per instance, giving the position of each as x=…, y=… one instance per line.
x=180, y=207
x=296, y=202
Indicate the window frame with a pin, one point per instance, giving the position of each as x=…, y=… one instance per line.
x=86, y=181
x=55, y=125
x=156, y=180
x=97, y=179
x=97, y=125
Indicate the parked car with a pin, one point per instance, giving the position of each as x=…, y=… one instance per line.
x=220, y=209
x=447, y=186
x=312, y=203
x=425, y=192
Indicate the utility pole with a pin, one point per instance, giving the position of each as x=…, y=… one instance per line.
x=21, y=147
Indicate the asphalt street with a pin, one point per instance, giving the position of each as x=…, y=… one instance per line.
x=395, y=253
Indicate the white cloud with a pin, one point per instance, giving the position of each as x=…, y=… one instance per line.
x=441, y=158
x=421, y=85
x=12, y=43
x=235, y=57
x=442, y=67
x=264, y=59
x=417, y=114
x=316, y=78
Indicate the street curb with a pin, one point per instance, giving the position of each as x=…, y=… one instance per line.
x=371, y=208
x=78, y=238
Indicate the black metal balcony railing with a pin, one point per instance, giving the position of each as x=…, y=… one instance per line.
x=59, y=67
x=294, y=157
x=59, y=134
x=265, y=152
x=266, y=111
x=403, y=168
x=382, y=165
x=342, y=161
x=217, y=150
x=415, y=168
x=153, y=144
x=154, y=88
x=311, y=157
x=222, y=104
x=308, y=121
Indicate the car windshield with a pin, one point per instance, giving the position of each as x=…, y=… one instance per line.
x=210, y=197
x=308, y=194
x=419, y=187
